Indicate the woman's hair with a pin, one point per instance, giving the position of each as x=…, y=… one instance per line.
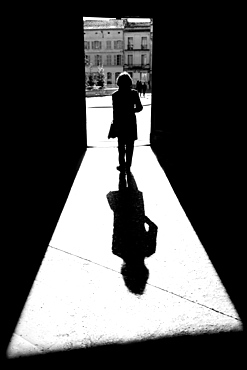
x=124, y=80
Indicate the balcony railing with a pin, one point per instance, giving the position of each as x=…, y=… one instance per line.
x=136, y=66
x=132, y=47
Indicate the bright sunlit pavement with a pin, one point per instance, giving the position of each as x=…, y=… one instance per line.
x=79, y=297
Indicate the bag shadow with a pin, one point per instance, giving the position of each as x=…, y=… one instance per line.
x=134, y=234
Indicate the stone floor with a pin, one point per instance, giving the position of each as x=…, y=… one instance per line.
x=81, y=296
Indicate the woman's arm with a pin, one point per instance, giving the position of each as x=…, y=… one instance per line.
x=113, y=113
x=115, y=108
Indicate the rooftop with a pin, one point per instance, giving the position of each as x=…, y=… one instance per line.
x=113, y=23
x=101, y=24
x=137, y=24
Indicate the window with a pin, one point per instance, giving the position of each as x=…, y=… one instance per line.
x=86, y=45
x=144, y=59
x=87, y=60
x=109, y=76
x=130, y=43
x=96, y=44
x=108, y=60
x=117, y=60
x=118, y=44
x=130, y=60
x=98, y=60
x=144, y=76
x=108, y=44
x=144, y=44
x=116, y=75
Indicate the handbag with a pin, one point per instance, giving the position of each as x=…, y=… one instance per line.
x=113, y=132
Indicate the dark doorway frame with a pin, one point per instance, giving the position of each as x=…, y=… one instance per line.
x=48, y=97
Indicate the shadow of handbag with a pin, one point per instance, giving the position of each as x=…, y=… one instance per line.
x=151, y=236
x=113, y=133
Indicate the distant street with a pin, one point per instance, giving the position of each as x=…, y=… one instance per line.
x=99, y=117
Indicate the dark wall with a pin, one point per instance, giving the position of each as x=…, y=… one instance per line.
x=46, y=141
x=198, y=130
x=196, y=115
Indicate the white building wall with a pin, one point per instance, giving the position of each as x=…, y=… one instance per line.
x=136, y=70
x=139, y=70
x=104, y=36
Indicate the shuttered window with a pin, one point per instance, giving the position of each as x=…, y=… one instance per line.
x=118, y=60
x=130, y=60
x=108, y=60
x=96, y=44
x=130, y=43
x=118, y=44
x=98, y=60
x=108, y=44
x=144, y=59
x=87, y=60
x=144, y=44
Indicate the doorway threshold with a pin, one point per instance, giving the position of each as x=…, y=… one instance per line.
x=114, y=144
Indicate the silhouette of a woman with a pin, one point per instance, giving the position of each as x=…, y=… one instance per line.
x=126, y=103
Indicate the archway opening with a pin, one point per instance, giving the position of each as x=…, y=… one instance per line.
x=112, y=46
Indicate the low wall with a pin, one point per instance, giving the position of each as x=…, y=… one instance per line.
x=101, y=92
x=105, y=92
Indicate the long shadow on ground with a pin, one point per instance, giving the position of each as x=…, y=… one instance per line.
x=134, y=234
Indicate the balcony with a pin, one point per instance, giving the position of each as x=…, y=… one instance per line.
x=139, y=47
x=136, y=66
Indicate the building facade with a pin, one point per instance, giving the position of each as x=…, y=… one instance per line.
x=137, y=58
x=118, y=45
x=103, y=45
x=151, y=54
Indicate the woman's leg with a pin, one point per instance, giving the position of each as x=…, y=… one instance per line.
x=121, y=153
x=129, y=153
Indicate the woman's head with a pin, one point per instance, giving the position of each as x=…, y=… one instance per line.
x=124, y=81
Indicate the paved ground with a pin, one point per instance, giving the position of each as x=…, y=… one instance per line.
x=99, y=117
x=83, y=295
